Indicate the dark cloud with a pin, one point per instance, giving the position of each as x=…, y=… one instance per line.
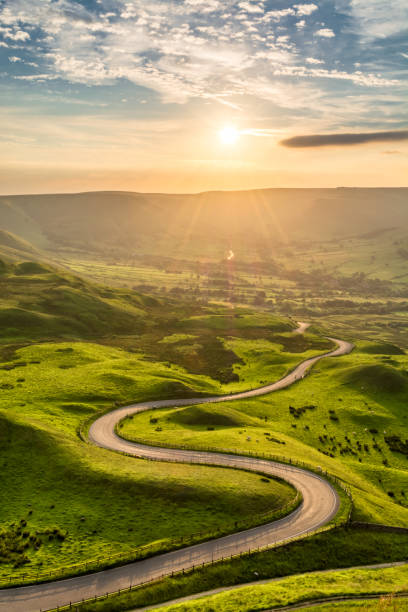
x=324, y=140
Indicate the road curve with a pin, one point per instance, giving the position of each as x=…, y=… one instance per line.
x=320, y=504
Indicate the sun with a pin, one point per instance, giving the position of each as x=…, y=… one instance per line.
x=228, y=135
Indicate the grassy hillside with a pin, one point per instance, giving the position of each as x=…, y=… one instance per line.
x=57, y=512
x=155, y=223
x=234, y=346
x=144, y=304
x=349, y=416
x=39, y=302
x=334, y=255
x=297, y=589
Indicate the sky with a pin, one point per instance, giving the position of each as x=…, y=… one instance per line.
x=194, y=95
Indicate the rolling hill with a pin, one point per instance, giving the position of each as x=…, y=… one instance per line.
x=162, y=223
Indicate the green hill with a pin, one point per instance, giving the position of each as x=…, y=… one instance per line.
x=39, y=302
x=376, y=378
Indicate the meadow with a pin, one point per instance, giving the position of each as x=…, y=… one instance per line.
x=72, y=349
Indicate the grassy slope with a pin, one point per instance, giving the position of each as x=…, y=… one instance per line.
x=55, y=481
x=39, y=302
x=305, y=587
x=336, y=549
x=363, y=390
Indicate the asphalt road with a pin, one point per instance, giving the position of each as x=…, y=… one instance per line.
x=320, y=504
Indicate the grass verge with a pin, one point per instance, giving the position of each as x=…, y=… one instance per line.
x=329, y=550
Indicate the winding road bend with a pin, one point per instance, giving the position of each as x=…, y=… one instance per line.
x=319, y=506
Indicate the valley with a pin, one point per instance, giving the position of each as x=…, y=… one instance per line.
x=90, y=327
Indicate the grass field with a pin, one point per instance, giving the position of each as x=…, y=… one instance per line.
x=296, y=589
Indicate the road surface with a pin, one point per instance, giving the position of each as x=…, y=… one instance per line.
x=319, y=506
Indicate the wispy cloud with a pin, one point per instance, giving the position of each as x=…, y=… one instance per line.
x=376, y=18
x=182, y=51
x=324, y=140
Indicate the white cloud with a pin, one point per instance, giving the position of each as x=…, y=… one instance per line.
x=305, y=9
x=179, y=50
x=15, y=35
x=35, y=77
x=204, y=6
x=313, y=60
x=325, y=33
x=277, y=15
x=249, y=7
x=14, y=59
x=378, y=19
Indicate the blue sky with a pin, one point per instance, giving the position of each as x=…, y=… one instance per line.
x=118, y=82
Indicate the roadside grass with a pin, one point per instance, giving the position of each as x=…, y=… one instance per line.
x=306, y=587
x=349, y=417
x=329, y=550
x=101, y=503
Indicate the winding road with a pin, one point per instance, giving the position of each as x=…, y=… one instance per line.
x=319, y=506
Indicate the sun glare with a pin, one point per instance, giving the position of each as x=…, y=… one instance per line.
x=229, y=135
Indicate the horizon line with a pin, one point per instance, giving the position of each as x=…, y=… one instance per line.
x=195, y=193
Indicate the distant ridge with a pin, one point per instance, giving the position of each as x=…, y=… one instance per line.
x=155, y=223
